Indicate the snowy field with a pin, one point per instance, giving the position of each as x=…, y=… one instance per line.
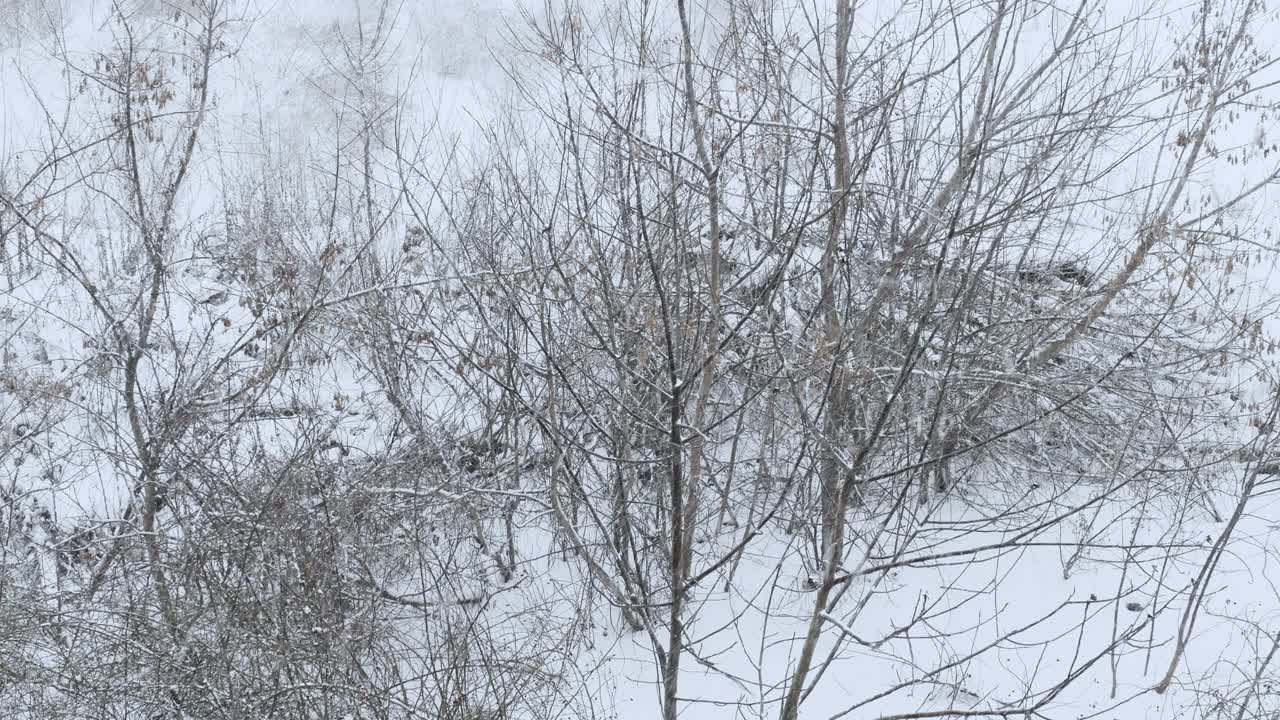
x=456, y=359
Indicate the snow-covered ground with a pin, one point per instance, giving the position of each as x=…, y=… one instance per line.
x=1062, y=597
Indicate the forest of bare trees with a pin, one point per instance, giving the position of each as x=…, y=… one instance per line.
x=738, y=358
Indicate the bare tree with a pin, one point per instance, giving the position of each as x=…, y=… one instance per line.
x=765, y=346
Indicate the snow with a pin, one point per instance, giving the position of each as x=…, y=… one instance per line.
x=984, y=599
